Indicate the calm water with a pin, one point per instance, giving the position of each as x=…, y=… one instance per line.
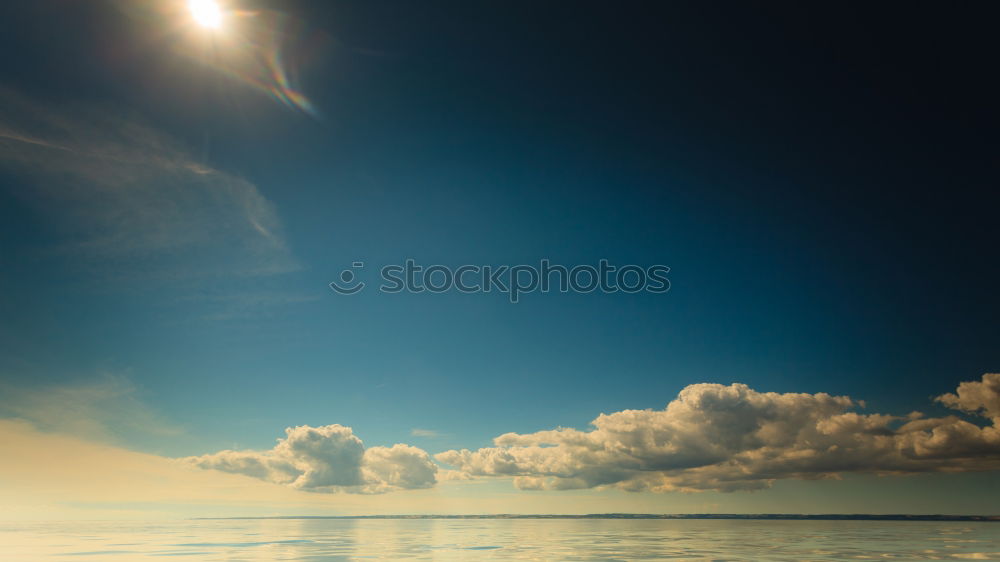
x=494, y=539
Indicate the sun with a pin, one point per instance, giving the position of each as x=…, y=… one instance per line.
x=206, y=12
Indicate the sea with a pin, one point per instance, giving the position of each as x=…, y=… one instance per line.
x=500, y=539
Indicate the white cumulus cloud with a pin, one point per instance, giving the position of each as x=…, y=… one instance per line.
x=716, y=437
x=329, y=458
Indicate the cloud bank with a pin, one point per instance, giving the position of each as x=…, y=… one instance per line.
x=727, y=438
x=711, y=437
x=329, y=459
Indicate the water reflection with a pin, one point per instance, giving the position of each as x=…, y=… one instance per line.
x=500, y=539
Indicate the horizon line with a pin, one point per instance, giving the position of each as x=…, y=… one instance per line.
x=759, y=516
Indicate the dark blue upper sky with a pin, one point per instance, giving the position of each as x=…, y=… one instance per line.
x=821, y=180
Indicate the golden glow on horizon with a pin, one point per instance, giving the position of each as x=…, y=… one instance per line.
x=206, y=12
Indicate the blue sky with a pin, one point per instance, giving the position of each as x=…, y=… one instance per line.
x=168, y=230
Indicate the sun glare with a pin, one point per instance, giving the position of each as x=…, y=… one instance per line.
x=206, y=12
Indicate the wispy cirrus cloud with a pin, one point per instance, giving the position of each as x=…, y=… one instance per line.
x=428, y=433
x=118, y=192
x=102, y=409
x=726, y=438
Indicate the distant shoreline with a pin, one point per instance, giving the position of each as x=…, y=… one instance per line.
x=750, y=516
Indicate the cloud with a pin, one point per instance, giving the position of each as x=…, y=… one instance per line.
x=54, y=476
x=429, y=433
x=117, y=192
x=977, y=397
x=241, y=304
x=726, y=438
x=105, y=409
x=329, y=458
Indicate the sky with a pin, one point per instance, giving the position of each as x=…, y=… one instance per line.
x=177, y=198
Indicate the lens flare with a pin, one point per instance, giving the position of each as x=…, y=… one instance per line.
x=267, y=50
x=206, y=12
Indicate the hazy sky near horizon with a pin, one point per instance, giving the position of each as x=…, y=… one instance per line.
x=174, y=201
